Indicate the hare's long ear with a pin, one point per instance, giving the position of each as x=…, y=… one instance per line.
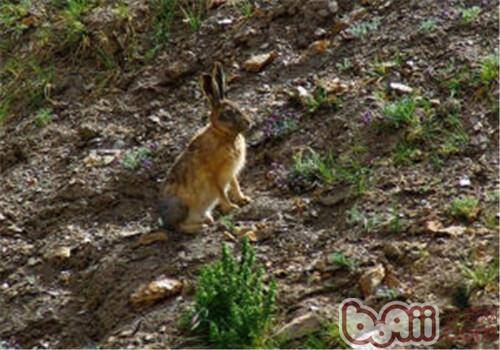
x=220, y=78
x=210, y=89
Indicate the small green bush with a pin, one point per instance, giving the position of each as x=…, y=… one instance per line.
x=481, y=275
x=232, y=307
x=43, y=117
x=400, y=113
x=466, y=208
x=469, y=15
x=339, y=259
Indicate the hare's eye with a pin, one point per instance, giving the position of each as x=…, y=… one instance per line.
x=226, y=116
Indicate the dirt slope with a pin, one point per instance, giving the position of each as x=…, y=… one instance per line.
x=67, y=185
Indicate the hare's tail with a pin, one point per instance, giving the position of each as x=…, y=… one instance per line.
x=172, y=211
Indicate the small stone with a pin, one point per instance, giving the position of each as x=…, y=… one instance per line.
x=401, y=88
x=371, y=279
x=392, y=251
x=225, y=22
x=464, y=181
x=87, y=132
x=257, y=63
x=157, y=290
x=61, y=253
x=153, y=237
x=299, y=327
x=319, y=32
x=319, y=46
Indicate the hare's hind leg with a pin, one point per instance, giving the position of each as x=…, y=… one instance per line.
x=172, y=211
x=192, y=227
x=195, y=222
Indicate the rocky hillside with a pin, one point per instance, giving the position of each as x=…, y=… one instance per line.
x=372, y=162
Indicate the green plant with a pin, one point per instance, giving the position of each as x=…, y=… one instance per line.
x=469, y=15
x=387, y=293
x=489, y=69
x=327, y=338
x=466, y=208
x=24, y=84
x=339, y=258
x=482, y=275
x=400, y=113
x=329, y=169
x=133, y=159
x=43, y=117
x=246, y=7
x=367, y=222
x=312, y=166
x=394, y=223
x=74, y=28
x=319, y=99
x=363, y=28
x=165, y=13
x=11, y=17
x=232, y=308
x=344, y=65
x=405, y=153
x=194, y=13
x=228, y=222
x=428, y=25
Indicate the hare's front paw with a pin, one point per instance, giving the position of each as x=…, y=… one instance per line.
x=226, y=208
x=244, y=200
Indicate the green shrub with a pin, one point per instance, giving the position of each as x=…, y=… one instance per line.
x=466, y=208
x=480, y=276
x=43, y=117
x=489, y=69
x=339, y=259
x=469, y=15
x=400, y=113
x=232, y=307
x=328, y=169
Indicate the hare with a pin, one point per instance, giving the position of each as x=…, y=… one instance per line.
x=206, y=172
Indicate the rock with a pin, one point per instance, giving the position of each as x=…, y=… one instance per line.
x=319, y=46
x=153, y=237
x=60, y=253
x=392, y=251
x=335, y=86
x=320, y=32
x=437, y=227
x=401, y=88
x=464, y=181
x=87, y=132
x=262, y=208
x=299, y=327
x=303, y=96
x=252, y=237
x=159, y=289
x=177, y=70
x=371, y=279
x=257, y=63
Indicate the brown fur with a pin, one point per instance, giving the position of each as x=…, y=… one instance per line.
x=206, y=172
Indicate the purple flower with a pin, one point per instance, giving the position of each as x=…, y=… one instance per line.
x=146, y=163
x=153, y=146
x=367, y=117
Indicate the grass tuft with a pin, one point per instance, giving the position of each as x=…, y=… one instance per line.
x=233, y=308
x=481, y=275
x=400, y=113
x=466, y=208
